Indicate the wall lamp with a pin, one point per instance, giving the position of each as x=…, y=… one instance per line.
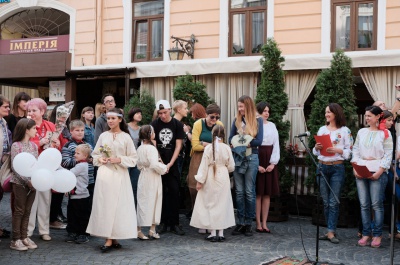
x=186, y=46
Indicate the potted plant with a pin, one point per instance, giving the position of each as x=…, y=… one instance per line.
x=332, y=84
x=272, y=90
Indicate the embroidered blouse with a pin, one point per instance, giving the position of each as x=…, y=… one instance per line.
x=19, y=147
x=372, y=149
x=271, y=137
x=340, y=138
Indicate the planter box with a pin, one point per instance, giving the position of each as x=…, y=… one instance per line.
x=279, y=208
x=349, y=213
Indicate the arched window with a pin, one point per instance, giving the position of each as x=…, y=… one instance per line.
x=32, y=23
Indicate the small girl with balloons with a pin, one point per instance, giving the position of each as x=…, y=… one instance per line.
x=22, y=186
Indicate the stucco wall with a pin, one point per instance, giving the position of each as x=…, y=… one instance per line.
x=200, y=18
x=392, y=24
x=298, y=26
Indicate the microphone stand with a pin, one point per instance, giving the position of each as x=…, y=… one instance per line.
x=394, y=213
x=319, y=175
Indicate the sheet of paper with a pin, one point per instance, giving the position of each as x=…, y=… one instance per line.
x=326, y=142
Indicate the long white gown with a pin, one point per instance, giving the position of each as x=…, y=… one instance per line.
x=149, y=192
x=214, y=208
x=113, y=212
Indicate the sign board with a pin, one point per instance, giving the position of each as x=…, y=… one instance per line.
x=57, y=90
x=35, y=45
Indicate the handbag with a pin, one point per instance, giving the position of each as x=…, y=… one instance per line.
x=6, y=174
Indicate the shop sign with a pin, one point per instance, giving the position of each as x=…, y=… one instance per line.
x=35, y=45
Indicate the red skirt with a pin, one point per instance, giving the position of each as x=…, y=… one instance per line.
x=267, y=183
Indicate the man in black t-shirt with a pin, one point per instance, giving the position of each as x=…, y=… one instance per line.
x=169, y=134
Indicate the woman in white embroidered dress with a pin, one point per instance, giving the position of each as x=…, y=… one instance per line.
x=373, y=148
x=331, y=166
x=113, y=213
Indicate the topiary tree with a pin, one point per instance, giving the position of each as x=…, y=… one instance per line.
x=143, y=100
x=191, y=91
x=334, y=85
x=272, y=90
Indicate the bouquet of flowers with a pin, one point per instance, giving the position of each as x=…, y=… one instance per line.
x=106, y=150
x=293, y=150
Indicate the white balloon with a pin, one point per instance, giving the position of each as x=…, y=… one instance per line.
x=49, y=159
x=42, y=179
x=64, y=180
x=24, y=164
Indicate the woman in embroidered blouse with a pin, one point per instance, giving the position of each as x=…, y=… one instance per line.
x=267, y=182
x=373, y=148
x=332, y=166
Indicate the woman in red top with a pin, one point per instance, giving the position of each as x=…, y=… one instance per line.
x=41, y=206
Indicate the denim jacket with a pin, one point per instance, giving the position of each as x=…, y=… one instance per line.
x=239, y=155
x=89, y=135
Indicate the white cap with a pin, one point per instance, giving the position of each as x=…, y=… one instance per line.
x=164, y=103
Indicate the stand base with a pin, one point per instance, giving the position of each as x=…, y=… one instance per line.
x=324, y=263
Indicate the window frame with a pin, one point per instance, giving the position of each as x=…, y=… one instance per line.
x=354, y=4
x=247, y=11
x=149, y=19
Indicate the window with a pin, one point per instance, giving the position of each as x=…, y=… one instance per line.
x=354, y=25
x=148, y=19
x=248, y=27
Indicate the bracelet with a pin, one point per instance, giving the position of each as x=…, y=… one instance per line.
x=187, y=133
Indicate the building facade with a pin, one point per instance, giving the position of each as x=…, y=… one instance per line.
x=118, y=46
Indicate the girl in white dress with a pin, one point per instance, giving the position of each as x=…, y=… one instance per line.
x=113, y=212
x=213, y=209
x=149, y=191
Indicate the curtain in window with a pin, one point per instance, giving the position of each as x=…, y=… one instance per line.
x=380, y=82
x=159, y=87
x=298, y=85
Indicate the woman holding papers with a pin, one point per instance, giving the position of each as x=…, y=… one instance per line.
x=332, y=148
x=373, y=148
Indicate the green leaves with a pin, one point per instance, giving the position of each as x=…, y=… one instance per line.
x=145, y=101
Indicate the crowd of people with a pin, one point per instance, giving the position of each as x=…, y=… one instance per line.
x=129, y=174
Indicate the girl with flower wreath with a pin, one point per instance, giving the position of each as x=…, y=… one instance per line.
x=331, y=166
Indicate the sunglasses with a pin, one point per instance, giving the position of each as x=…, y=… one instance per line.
x=214, y=117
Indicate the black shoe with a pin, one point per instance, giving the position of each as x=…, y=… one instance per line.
x=221, y=239
x=177, y=229
x=105, y=249
x=212, y=238
x=248, y=231
x=162, y=228
x=239, y=229
x=189, y=214
x=117, y=245
x=81, y=239
x=70, y=238
x=62, y=219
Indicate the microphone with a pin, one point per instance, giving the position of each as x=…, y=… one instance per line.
x=306, y=134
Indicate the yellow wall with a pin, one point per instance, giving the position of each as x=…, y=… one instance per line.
x=298, y=26
x=200, y=18
x=392, y=24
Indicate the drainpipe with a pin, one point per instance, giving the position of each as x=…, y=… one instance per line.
x=99, y=29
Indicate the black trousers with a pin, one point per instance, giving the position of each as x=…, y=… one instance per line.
x=55, y=205
x=170, y=202
x=78, y=215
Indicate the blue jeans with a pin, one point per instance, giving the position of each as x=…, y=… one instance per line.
x=335, y=176
x=370, y=194
x=134, y=173
x=246, y=191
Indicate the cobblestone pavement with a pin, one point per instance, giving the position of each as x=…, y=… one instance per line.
x=285, y=240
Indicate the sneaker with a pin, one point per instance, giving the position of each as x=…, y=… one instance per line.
x=248, y=230
x=81, y=239
x=162, y=228
x=239, y=229
x=70, y=238
x=57, y=225
x=45, y=237
x=29, y=243
x=62, y=219
x=18, y=245
x=177, y=229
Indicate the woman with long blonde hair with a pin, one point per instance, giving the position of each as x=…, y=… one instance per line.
x=246, y=124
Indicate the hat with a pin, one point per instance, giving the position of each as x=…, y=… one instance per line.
x=242, y=140
x=164, y=103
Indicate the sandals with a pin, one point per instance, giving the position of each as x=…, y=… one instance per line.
x=153, y=235
x=364, y=241
x=141, y=236
x=263, y=230
x=376, y=242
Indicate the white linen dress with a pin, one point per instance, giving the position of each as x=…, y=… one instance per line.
x=113, y=212
x=149, y=191
x=214, y=208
